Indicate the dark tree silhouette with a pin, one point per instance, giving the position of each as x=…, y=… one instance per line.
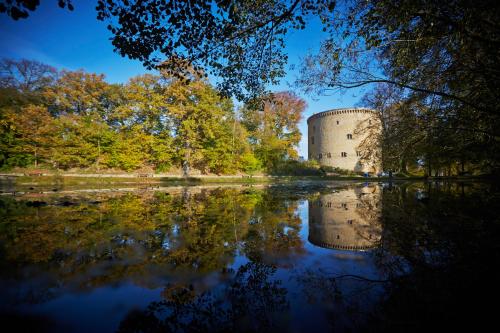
x=241, y=42
x=19, y=9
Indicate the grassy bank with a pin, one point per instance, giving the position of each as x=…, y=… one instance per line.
x=61, y=180
x=11, y=183
x=108, y=180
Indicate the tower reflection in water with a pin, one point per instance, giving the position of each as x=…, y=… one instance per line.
x=347, y=219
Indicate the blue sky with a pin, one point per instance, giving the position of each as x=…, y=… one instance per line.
x=76, y=40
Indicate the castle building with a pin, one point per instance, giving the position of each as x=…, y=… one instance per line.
x=346, y=138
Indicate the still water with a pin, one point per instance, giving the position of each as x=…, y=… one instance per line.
x=302, y=257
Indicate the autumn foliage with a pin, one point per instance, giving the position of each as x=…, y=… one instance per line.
x=74, y=119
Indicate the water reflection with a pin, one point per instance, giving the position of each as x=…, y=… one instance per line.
x=347, y=219
x=83, y=242
x=238, y=259
x=249, y=301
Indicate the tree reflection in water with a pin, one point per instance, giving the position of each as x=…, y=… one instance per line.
x=440, y=247
x=437, y=256
x=238, y=259
x=84, y=242
x=250, y=302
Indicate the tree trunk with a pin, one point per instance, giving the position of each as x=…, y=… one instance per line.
x=404, y=168
x=98, y=153
x=187, y=156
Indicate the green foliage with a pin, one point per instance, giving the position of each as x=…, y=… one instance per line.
x=250, y=163
x=204, y=127
x=298, y=168
x=337, y=171
x=272, y=124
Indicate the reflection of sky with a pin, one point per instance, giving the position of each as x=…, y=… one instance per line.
x=106, y=307
x=74, y=40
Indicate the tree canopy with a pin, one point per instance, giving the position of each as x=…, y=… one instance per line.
x=74, y=119
x=240, y=42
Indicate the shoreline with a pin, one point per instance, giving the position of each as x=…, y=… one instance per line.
x=70, y=179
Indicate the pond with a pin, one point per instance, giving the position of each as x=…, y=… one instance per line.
x=298, y=257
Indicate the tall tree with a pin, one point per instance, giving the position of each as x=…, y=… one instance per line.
x=143, y=103
x=33, y=127
x=79, y=93
x=272, y=123
x=203, y=124
x=26, y=75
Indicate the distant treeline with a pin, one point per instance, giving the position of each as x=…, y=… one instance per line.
x=74, y=119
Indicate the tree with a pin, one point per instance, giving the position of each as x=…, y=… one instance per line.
x=22, y=82
x=250, y=164
x=79, y=93
x=442, y=56
x=241, y=42
x=403, y=135
x=35, y=126
x=203, y=124
x=24, y=121
x=272, y=123
x=26, y=136
x=80, y=141
x=143, y=103
x=26, y=75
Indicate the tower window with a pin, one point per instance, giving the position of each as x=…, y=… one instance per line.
x=329, y=155
x=358, y=153
x=312, y=140
x=337, y=122
x=349, y=136
x=343, y=154
x=314, y=129
x=320, y=156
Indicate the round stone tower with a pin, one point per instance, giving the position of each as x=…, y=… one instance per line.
x=346, y=138
x=347, y=219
